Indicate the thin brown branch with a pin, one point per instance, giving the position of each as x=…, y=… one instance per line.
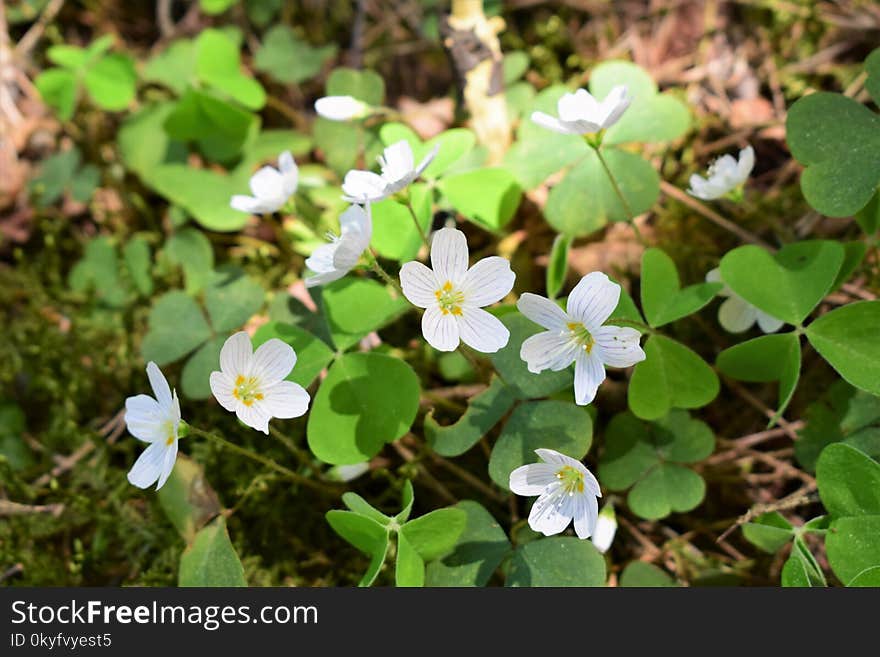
x=800, y=497
x=671, y=190
x=32, y=36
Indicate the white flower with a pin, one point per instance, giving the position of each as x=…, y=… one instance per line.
x=331, y=262
x=566, y=490
x=724, y=176
x=398, y=171
x=271, y=187
x=606, y=528
x=736, y=314
x=157, y=422
x=341, y=108
x=453, y=295
x=577, y=335
x=252, y=383
x=580, y=113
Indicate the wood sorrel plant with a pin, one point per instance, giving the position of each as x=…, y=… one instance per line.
x=420, y=283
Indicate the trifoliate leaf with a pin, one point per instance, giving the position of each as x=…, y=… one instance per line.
x=842, y=414
x=557, y=561
x=663, y=298
x=586, y=199
x=847, y=338
x=478, y=552
x=671, y=376
x=176, y=327
x=651, y=116
x=788, y=285
x=366, y=400
x=848, y=481
x=837, y=139
x=355, y=306
x=557, y=425
x=483, y=412
x=289, y=59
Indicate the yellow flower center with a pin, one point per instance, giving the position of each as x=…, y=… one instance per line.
x=247, y=390
x=168, y=430
x=450, y=299
x=581, y=335
x=572, y=479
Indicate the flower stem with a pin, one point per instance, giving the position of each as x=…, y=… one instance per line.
x=415, y=219
x=384, y=275
x=626, y=206
x=620, y=321
x=259, y=458
x=470, y=357
x=276, y=221
x=301, y=454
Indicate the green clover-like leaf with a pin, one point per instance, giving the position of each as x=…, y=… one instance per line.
x=176, y=327
x=853, y=546
x=366, y=535
x=663, y=298
x=641, y=574
x=837, y=139
x=211, y=560
x=790, y=284
x=488, y=197
x=586, y=199
x=847, y=338
x=513, y=370
x=671, y=376
x=769, y=531
x=842, y=414
x=557, y=425
x=483, y=412
x=478, y=552
x=848, y=481
x=767, y=358
x=366, y=400
x=355, y=306
x=651, y=117
x=557, y=561
x=312, y=354
x=647, y=457
x=289, y=59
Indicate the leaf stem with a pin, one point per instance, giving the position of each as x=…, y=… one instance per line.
x=626, y=206
x=264, y=460
x=620, y=321
x=384, y=275
x=301, y=454
x=412, y=213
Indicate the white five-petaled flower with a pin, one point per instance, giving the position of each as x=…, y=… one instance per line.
x=157, y=422
x=453, y=295
x=330, y=262
x=398, y=171
x=581, y=114
x=736, y=314
x=341, y=108
x=566, y=491
x=251, y=383
x=725, y=175
x=577, y=335
x=271, y=187
x=606, y=528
